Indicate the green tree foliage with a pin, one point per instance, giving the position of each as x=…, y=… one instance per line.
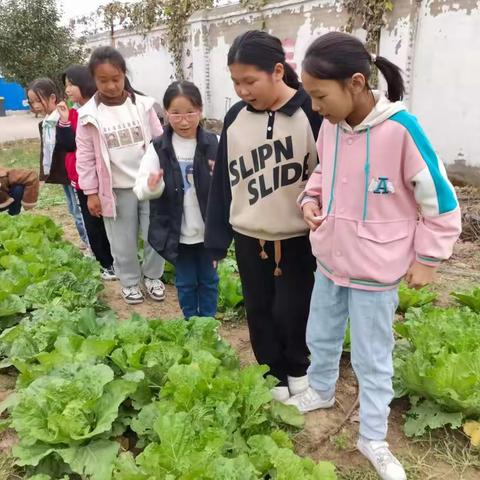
x=32, y=42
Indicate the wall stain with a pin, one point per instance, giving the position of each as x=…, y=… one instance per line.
x=437, y=7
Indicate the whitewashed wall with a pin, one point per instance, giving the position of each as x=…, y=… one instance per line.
x=435, y=42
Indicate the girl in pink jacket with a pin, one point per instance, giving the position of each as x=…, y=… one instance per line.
x=114, y=129
x=380, y=208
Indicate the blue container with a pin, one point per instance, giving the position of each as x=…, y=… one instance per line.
x=14, y=96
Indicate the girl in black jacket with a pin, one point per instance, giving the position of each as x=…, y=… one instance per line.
x=175, y=175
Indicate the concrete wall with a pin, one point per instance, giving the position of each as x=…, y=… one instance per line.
x=435, y=42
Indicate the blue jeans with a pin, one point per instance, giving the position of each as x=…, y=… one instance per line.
x=16, y=192
x=371, y=317
x=75, y=212
x=196, y=281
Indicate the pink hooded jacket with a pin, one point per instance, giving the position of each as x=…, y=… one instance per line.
x=385, y=200
x=93, y=161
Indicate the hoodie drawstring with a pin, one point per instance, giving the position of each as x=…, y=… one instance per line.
x=332, y=188
x=277, y=245
x=367, y=177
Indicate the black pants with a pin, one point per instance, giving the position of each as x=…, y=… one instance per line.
x=16, y=192
x=96, y=233
x=277, y=306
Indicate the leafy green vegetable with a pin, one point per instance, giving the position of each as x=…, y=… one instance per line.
x=230, y=295
x=409, y=297
x=425, y=415
x=470, y=299
x=85, y=380
x=38, y=268
x=439, y=359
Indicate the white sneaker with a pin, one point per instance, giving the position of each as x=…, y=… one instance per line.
x=310, y=400
x=108, y=274
x=281, y=394
x=132, y=295
x=386, y=465
x=297, y=385
x=155, y=288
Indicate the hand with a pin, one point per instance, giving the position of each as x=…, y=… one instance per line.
x=419, y=275
x=94, y=206
x=41, y=183
x=215, y=264
x=311, y=215
x=63, y=111
x=154, y=179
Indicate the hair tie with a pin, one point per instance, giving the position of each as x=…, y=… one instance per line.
x=373, y=58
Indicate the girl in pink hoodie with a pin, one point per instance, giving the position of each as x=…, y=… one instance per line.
x=380, y=208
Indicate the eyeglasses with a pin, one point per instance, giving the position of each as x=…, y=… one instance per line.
x=178, y=117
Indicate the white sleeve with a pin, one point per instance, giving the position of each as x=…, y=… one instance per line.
x=148, y=165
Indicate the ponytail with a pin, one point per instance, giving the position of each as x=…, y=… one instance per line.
x=393, y=76
x=290, y=77
x=132, y=92
x=338, y=56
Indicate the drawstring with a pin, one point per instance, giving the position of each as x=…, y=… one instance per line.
x=278, y=256
x=367, y=177
x=277, y=245
x=330, y=202
x=263, y=253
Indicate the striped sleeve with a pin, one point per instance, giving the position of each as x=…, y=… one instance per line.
x=440, y=222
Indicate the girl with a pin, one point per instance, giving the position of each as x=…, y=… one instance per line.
x=80, y=87
x=43, y=98
x=377, y=170
x=266, y=154
x=114, y=128
x=176, y=170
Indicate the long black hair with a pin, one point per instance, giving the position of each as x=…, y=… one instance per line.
x=263, y=51
x=80, y=76
x=111, y=55
x=185, y=89
x=44, y=88
x=338, y=56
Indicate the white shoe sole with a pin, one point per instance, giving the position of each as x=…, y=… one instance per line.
x=131, y=301
x=323, y=405
x=155, y=298
x=109, y=279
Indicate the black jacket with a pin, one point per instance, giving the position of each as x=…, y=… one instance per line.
x=166, y=212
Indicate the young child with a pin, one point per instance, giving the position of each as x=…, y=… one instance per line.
x=114, y=129
x=176, y=171
x=377, y=171
x=266, y=154
x=43, y=98
x=80, y=87
x=18, y=187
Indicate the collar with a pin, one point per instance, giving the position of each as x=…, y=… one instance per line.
x=99, y=98
x=290, y=107
x=52, y=118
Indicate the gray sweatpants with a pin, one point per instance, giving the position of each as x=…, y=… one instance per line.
x=122, y=232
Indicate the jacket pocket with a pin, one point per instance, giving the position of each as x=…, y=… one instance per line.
x=158, y=231
x=385, y=232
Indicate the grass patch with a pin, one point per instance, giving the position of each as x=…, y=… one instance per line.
x=7, y=468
